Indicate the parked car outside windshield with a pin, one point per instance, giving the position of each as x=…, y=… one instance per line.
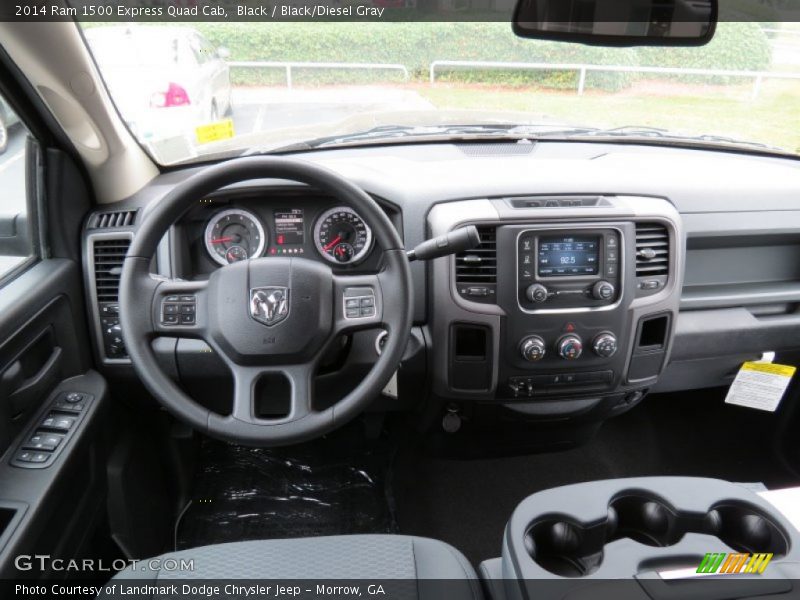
x=164, y=80
x=296, y=83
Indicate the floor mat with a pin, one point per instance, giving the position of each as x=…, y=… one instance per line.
x=254, y=493
x=468, y=502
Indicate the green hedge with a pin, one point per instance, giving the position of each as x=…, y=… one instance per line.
x=735, y=46
x=414, y=45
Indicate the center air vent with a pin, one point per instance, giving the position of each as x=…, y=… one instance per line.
x=108, y=258
x=476, y=269
x=112, y=220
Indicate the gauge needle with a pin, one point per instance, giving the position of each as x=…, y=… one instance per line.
x=221, y=240
x=335, y=241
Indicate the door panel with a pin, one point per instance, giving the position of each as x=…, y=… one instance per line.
x=42, y=340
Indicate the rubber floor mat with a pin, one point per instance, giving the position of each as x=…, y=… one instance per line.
x=257, y=493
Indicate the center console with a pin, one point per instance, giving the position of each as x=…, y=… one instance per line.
x=565, y=308
x=648, y=538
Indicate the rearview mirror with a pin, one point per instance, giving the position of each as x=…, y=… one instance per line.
x=223, y=53
x=618, y=22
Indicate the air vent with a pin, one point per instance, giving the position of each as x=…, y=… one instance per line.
x=652, y=250
x=112, y=220
x=108, y=258
x=476, y=269
x=496, y=149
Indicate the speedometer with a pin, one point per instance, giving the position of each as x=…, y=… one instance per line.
x=341, y=236
x=233, y=235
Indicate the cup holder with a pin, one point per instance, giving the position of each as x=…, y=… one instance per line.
x=565, y=548
x=569, y=548
x=647, y=520
x=746, y=530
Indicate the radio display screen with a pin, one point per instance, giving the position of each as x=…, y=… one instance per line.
x=568, y=256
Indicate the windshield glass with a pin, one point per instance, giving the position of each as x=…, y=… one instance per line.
x=211, y=89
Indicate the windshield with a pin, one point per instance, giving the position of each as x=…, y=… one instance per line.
x=211, y=89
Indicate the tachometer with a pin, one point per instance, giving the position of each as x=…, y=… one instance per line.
x=233, y=235
x=341, y=236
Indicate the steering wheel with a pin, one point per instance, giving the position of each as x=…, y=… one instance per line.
x=271, y=316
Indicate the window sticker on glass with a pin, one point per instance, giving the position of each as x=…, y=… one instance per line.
x=213, y=132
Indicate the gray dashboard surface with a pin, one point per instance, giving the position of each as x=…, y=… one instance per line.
x=715, y=191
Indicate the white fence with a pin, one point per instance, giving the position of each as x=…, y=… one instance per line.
x=758, y=77
x=288, y=66
x=582, y=69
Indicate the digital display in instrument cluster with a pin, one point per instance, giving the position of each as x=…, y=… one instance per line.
x=568, y=255
x=289, y=231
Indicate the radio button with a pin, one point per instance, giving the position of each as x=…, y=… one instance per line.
x=603, y=290
x=536, y=293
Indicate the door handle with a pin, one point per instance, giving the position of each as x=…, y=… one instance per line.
x=21, y=391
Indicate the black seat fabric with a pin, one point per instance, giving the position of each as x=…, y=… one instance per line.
x=375, y=557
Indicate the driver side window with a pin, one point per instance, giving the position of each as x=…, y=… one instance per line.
x=16, y=220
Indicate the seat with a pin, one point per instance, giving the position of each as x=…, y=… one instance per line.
x=439, y=569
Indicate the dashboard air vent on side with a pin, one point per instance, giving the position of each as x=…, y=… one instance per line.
x=108, y=258
x=111, y=220
x=476, y=269
x=652, y=257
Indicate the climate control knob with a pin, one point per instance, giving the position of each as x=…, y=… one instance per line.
x=570, y=347
x=605, y=345
x=536, y=293
x=532, y=348
x=603, y=290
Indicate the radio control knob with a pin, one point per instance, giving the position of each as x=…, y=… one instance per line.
x=603, y=290
x=532, y=348
x=570, y=347
x=536, y=293
x=605, y=345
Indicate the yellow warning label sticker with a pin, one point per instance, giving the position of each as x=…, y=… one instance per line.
x=785, y=370
x=213, y=132
x=760, y=385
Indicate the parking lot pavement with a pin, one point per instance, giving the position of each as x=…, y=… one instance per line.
x=261, y=109
x=12, y=174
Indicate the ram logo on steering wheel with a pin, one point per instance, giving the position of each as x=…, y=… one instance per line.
x=269, y=305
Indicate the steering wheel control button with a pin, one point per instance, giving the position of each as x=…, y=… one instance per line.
x=605, y=345
x=359, y=303
x=532, y=348
x=179, y=310
x=570, y=347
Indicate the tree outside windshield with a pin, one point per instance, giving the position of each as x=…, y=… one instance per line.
x=225, y=88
